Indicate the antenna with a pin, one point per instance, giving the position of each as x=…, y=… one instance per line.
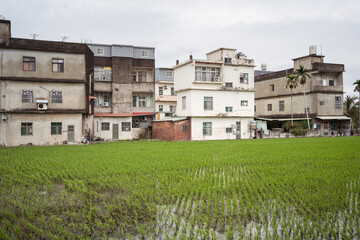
x=34, y=35
x=64, y=38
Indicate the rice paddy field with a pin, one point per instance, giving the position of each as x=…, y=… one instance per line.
x=305, y=188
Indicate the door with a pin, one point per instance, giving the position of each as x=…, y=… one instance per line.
x=326, y=128
x=71, y=133
x=115, y=134
x=238, y=130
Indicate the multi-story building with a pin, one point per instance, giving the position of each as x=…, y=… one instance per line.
x=124, y=90
x=216, y=94
x=323, y=90
x=45, y=90
x=165, y=98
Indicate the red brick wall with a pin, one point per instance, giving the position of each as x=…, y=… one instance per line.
x=168, y=130
x=181, y=135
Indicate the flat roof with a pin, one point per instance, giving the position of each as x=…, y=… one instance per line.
x=117, y=45
x=171, y=119
x=333, y=117
x=231, y=49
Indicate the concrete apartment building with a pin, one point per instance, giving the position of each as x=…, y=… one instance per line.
x=45, y=90
x=324, y=96
x=165, y=97
x=124, y=90
x=216, y=95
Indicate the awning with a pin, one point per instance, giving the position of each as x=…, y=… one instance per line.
x=333, y=117
x=281, y=119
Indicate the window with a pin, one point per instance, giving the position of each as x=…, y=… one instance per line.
x=172, y=91
x=227, y=60
x=184, y=128
x=125, y=126
x=269, y=107
x=26, y=129
x=208, y=103
x=207, y=74
x=322, y=103
x=281, y=105
x=207, y=128
x=333, y=126
x=29, y=64
x=100, y=51
x=103, y=99
x=102, y=74
x=144, y=53
x=272, y=87
x=338, y=102
x=308, y=110
x=57, y=65
x=105, y=126
x=169, y=74
x=183, y=101
x=56, y=128
x=228, y=109
x=139, y=76
x=172, y=108
x=161, y=92
x=324, y=82
x=229, y=130
x=161, y=108
x=244, y=78
x=27, y=96
x=56, y=96
x=244, y=103
x=254, y=108
x=229, y=85
x=331, y=83
x=142, y=100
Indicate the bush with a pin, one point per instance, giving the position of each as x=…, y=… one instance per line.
x=299, y=131
x=288, y=126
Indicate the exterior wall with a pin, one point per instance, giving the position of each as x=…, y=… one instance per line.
x=5, y=32
x=122, y=51
x=74, y=64
x=73, y=96
x=232, y=74
x=184, y=76
x=11, y=129
x=329, y=105
x=108, y=134
x=171, y=130
x=221, y=99
x=160, y=74
x=219, y=126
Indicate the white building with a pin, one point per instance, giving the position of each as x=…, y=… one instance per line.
x=217, y=94
x=165, y=98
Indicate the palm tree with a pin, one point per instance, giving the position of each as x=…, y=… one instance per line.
x=292, y=83
x=350, y=106
x=301, y=74
x=357, y=89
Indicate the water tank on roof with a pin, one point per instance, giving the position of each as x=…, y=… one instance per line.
x=312, y=49
x=263, y=66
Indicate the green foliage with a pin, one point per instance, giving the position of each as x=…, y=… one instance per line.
x=299, y=131
x=305, y=188
x=288, y=126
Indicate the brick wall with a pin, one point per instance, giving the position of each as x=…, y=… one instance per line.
x=169, y=130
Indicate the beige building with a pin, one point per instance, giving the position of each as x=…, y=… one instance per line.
x=324, y=97
x=165, y=97
x=45, y=88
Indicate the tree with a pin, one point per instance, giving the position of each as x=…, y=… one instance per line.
x=350, y=110
x=357, y=89
x=301, y=74
x=291, y=82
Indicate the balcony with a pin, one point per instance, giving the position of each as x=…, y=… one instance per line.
x=328, y=67
x=209, y=80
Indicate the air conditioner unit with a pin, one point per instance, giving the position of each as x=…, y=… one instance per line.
x=42, y=104
x=105, y=104
x=217, y=79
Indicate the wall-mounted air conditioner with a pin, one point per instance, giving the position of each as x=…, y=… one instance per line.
x=42, y=104
x=105, y=104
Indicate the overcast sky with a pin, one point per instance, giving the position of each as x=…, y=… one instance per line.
x=272, y=32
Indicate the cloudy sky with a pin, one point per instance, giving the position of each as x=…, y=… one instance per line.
x=272, y=32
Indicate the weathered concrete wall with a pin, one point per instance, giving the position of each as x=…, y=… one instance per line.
x=11, y=129
x=108, y=134
x=5, y=32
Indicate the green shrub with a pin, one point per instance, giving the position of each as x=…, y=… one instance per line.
x=299, y=131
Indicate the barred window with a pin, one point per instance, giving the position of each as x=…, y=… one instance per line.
x=338, y=102
x=269, y=107
x=244, y=78
x=281, y=105
x=184, y=128
x=228, y=109
x=208, y=103
x=29, y=64
x=56, y=97
x=26, y=129
x=105, y=126
x=244, y=103
x=57, y=65
x=207, y=128
x=56, y=128
x=27, y=96
x=125, y=126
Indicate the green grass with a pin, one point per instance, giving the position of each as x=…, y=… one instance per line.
x=277, y=188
